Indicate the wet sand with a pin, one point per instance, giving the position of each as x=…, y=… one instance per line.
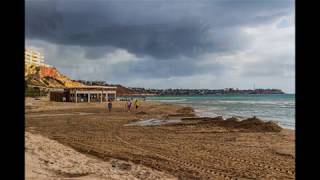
x=188, y=150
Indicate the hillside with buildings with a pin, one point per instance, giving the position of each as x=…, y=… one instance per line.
x=39, y=74
x=199, y=92
x=47, y=77
x=41, y=77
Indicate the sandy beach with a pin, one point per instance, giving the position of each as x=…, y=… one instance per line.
x=158, y=141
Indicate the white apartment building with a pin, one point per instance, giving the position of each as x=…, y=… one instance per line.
x=33, y=57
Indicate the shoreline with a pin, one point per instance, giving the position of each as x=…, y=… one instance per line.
x=243, y=118
x=188, y=150
x=200, y=112
x=70, y=105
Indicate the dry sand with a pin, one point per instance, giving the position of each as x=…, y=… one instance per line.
x=191, y=149
x=48, y=159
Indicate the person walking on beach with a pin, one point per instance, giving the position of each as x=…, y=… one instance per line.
x=136, y=103
x=109, y=105
x=129, y=103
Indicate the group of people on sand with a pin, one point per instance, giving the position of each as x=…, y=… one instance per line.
x=135, y=102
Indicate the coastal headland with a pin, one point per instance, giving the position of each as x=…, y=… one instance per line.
x=157, y=141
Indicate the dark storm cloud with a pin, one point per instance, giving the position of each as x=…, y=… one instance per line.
x=213, y=43
x=162, y=29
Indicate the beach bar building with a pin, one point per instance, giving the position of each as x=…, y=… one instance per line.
x=83, y=94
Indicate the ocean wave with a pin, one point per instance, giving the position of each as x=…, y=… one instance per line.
x=206, y=113
x=219, y=102
x=171, y=100
x=281, y=104
x=210, y=108
x=269, y=115
x=279, y=110
x=257, y=102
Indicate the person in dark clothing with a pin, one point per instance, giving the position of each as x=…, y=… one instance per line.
x=109, y=105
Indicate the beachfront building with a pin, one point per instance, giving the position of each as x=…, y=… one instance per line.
x=34, y=57
x=84, y=94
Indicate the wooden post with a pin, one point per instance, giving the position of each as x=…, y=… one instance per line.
x=76, y=96
x=101, y=96
x=88, y=97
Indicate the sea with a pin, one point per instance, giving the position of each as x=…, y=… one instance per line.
x=279, y=108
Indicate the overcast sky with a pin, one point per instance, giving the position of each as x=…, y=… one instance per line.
x=168, y=43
